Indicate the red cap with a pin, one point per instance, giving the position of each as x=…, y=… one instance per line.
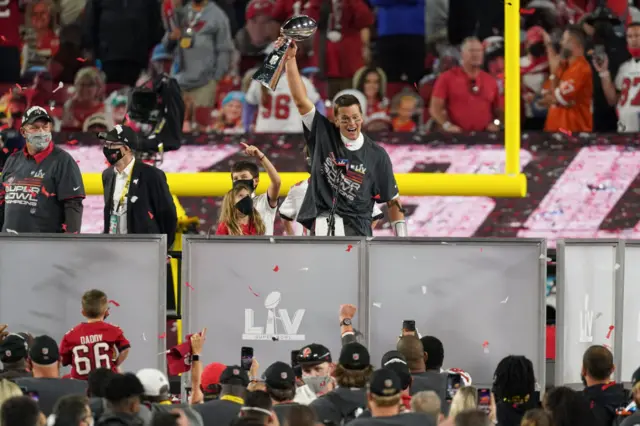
x=534, y=34
x=258, y=7
x=211, y=375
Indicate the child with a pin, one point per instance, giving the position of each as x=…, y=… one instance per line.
x=239, y=216
x=93, y=344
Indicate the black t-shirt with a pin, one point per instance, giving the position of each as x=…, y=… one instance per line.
x=218, y=412
x=35, y=189
x=48, y=391
x=403, y=419
x=363, y=176
x=282, y=411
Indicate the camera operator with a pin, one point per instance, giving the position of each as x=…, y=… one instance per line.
x=606, y=52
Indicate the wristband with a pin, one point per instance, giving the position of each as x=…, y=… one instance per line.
x=261, y=158
x=604, y=74
x=195, y=358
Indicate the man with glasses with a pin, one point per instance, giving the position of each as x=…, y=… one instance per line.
x=466, y=98
x=42, y=189
x=349, y=171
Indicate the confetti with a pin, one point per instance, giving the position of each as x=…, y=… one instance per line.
x=416, y=86
x=64, y=227
x=189, y=286
x=272, y=240
x=527, y=11
x=304, y=269
x=60, y=86
x=377, y=305
x=276, y=268
x=611, y=327
x=480, y=249
x=608, y=347
x=505, y=300
x=79, y=59
x=3, y=38
x=254, y=293
x=162, y=336
x=74, y=142
x=424, y=289
x=114, y=303
x=617, y=266
x=349, y=247
x=47, y=193
x=150, y=215
x=485, y=346
x=565, y=131
x=144, y=337
x=444, y=243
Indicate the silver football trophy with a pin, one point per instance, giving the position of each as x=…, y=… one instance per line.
x=298, y=28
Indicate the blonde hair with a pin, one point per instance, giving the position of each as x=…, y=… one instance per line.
x=465, y=399
x=427, y=402
x=8, y=390
x=386, y=401
x=229, y=214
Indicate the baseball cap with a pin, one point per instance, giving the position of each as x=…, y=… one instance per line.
x=258, y=7
x=313, y=354
x=34, y=114
x=280, y=375
x=393, y=357
x=154, y=381
x=98, y=118
x=234, y=375
x=13, y=348
x=385, y=382
x=402, y=371
x=635, y=378
x=122, y=134
x=211, y=376
x=44, y=350
x=354, y=356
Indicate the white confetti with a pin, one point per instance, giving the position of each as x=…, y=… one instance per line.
x=444, y=243
x=486, y=349
x=60, y=86
x=52, y=108
x=304, y=269
x=135, y=181
x=617, y=266
x=377, y=305
x=542, y=257
x=415, y=258
x=134, y=198
x=144, y=337
x=424, y=289
x=272, y=240
x=505, y=300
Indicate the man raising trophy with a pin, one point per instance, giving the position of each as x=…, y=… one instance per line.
x=349, y=171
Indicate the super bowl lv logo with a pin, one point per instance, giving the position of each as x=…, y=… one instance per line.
x=279, y=325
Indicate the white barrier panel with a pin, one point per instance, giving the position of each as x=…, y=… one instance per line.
x=630, y=311
x=272, y=294
x=588, y=276
x=43, y=277
x=483, y=298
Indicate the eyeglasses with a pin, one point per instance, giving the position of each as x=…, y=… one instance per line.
x=473, y=86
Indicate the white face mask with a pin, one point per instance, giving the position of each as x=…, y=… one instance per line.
x=318, y=384
x=39, y=141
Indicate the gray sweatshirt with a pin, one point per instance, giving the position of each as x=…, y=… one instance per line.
x=209, y=56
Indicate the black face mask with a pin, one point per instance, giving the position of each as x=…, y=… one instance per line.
x=246, y=182
x=113, y=155
x=245, y=206
x=537, y=50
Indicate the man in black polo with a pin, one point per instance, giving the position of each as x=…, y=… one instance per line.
x=42, y=185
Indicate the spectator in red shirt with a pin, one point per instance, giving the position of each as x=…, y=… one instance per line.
x=11, y=18
x=41, y=41
x=466, y=98
x=86, y=101
x=256, y=39
x=346, y=49
x=238, y=215
x=373, y=83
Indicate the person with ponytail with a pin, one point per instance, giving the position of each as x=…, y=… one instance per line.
x=238, y=215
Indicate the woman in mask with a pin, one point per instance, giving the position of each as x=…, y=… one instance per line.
x=238, y=215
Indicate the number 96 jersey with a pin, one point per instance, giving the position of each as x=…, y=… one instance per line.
x=277, y=113
x=89, y=346
x=628, y=84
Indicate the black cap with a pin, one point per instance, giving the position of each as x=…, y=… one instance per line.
x=313, y=354
x=34, y=114
x=122, y=134
x=13, y=348
x=402, y=371
x=44, y=351
x=385, y=382
x=354, y=356
x=635, y=378
x=392, y=357
x=234, y=375
x=280, y=375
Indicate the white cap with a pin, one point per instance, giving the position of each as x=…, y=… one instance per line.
x=154, y=381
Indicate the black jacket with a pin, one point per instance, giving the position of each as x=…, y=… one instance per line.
x=150, y=207
x=605, y=400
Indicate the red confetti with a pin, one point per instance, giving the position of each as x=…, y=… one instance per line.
x=611, y=327
x=81, y=59
x=73, y=142
x=565, y=131
x=189, y=286
x=276, y=268
x=485, y=344
x=527, y=11
x=150, y=215
x=114, y=303
x=3, y=38
x=416, y=86
x=5, y=150
x=47, y=193
x=254, y=293
x=162, y=336
x=64, y=227
x=349, y=247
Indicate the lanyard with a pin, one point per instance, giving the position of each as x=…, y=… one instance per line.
x=125, y=192
x=232, y=398
x=193, y=19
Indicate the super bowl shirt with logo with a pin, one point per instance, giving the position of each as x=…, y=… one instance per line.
x=362, y=177
x=35, y=188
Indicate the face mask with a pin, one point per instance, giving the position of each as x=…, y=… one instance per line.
x=634, y=51
x=537, y=50
x=113, y=155
x=246, y=182
x=39, y=141
x=565, y=53
x=245, y=206
x=318, y=384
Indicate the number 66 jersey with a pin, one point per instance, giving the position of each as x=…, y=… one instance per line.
x=89, y=346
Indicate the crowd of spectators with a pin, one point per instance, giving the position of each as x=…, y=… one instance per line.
x=417, y=65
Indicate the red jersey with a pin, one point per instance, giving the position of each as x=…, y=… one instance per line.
x=10, y=21
x=247, y=229
x=89, y=346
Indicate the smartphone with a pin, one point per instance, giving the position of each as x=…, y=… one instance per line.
x=31, y=394
x=295, y=365
x=454, y=383
x=409, y=325
x=246, y=358
x=484, y=399
x=599, y=54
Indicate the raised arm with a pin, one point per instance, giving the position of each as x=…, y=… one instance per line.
x=296, y=85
